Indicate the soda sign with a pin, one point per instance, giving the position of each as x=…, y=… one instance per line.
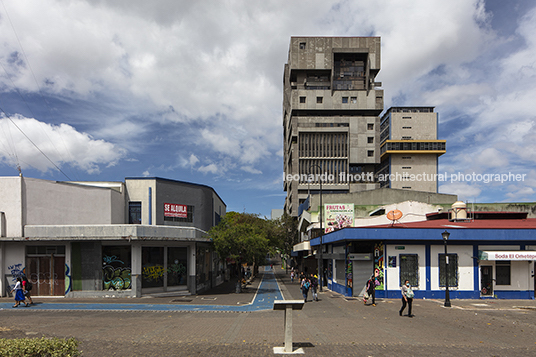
x=175, y=210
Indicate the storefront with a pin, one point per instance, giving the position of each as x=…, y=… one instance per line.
x=486, y=259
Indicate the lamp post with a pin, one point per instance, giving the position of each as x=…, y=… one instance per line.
x=445, y=236
x=320, y=260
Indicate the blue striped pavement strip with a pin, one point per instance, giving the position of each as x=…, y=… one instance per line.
x=267, y=292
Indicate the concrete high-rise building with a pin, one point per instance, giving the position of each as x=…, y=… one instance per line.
x=409, y=149
x=331, y=109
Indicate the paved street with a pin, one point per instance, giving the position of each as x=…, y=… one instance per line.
x=334, y=326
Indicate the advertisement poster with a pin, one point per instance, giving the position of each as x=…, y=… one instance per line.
x=338, y=216
x=175, y=210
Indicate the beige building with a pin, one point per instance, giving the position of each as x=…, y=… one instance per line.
x=409, y=149
x=331, y=109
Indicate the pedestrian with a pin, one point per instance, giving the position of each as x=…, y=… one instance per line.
x=314, y=287
x=370, y=291
x=292, y=276
x=19, y=294
x=305, y=285
x=407, y=298
x=27, y=288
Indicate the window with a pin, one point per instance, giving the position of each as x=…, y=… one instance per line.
x=406, y=117
x=409, y=269
x=353, y=100
x=370, y=153
x=134, y=212
x=406, y=157
x=406, y=127
x=116, y=272
x=319, y=100
x=302, y=99
x=406, y=167
x=502, y=272
x=406, y=138
x=453, y=270
x=345, y=100
x=370, y=140
x=302, y=45
x=406, y=187
x=370, y=126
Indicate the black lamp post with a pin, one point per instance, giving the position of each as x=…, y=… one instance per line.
x=320, y=260
x=445, y=236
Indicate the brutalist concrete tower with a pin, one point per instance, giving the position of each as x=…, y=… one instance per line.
x=331, y=109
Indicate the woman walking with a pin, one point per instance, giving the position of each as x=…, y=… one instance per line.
x=407, y=298
x=305, y=284
x=19, y=294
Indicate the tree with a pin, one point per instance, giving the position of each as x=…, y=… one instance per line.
x=241, y=238
x=287, y=234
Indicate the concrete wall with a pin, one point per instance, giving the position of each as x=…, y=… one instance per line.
x=422, y=166
x=418, y=126
x=11, y=199
x=51, y=202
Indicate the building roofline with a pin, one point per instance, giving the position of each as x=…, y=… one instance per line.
x=177, y=181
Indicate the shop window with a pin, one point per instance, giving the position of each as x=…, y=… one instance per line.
x=409, y=269
x=502, y=272
x=152, y=265
x=134, y=212
x=453, y=270
x=116, y=272
x=177, y=266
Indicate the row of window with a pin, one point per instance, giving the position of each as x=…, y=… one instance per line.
x=320, y=100
x=409, y=270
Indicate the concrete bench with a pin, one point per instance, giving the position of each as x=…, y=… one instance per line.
x=288, y=306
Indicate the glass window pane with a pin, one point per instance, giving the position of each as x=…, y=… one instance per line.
x=409, y=269
x=152, y=262
x=177, y=266
x=116, y=272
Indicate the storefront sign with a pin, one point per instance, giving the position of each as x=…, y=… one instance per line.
x=338, y=216
x=175, y=210
x=359, y=256
x=504, y=255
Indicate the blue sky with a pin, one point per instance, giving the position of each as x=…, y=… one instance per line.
x=192, y=90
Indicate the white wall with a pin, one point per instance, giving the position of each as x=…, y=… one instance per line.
x=465, y=266
x=393, y=274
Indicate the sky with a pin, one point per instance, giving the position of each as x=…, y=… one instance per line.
x=192, y=90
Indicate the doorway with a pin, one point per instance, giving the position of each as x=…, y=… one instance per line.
x=486, y=280
x=45, y=268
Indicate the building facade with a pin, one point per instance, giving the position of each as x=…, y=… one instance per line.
x=331, y=109
x=490, y=255
x=141, y=236
x=409, y=149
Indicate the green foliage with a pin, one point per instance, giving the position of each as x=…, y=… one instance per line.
x=287, y=233
x=242, y=237
x=39, y=347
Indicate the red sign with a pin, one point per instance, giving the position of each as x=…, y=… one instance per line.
x=175, y=210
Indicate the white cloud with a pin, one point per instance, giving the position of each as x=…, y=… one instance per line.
x=60, y=144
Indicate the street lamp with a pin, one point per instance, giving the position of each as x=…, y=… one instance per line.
x=445, y=236
x=320, y=261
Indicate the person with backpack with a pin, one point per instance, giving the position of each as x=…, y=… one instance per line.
x=314, y=287
x=305, y=285
x=27, y=288
x=371, y=291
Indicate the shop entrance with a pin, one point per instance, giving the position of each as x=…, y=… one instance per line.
x=45, y=268
x=164, y=269
x=486, y=280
